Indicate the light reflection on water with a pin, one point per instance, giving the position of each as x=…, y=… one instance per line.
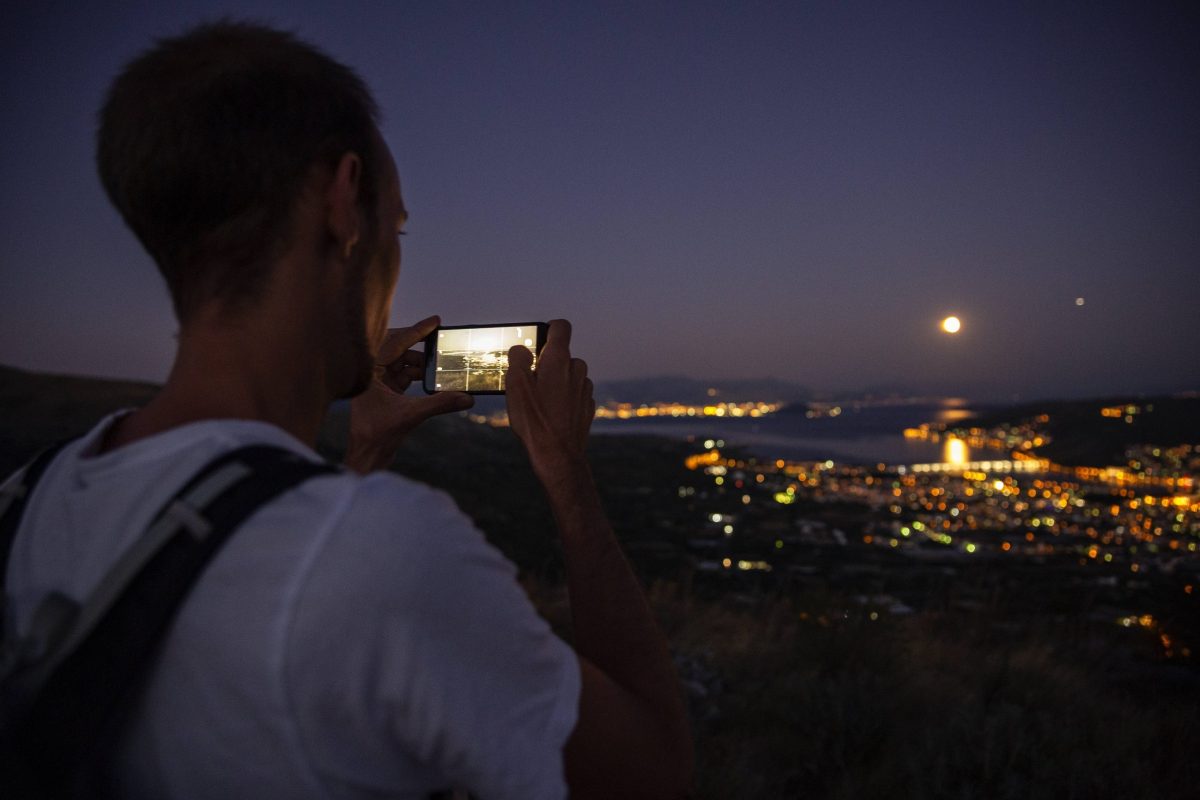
x=955, y=452
x=857, y=436
x=951, y=415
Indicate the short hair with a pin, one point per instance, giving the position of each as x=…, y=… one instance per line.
x=205, y=142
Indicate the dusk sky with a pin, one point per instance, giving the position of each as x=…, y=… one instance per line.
x=717, y=190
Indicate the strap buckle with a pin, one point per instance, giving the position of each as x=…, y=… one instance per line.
x=186, y=516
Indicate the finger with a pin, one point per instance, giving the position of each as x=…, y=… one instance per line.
x=558, y=342
x=587, y=406
x=577, y=386
x=518, y=389
x=520, y=358
x=399, y=340
x=586, y=400
x=560, y=332
x=399, y=380
x=585, y=424
x=408, y=367
x=426, y=326
x=411, y=360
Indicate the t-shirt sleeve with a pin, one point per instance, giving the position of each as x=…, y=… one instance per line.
x=414, y=652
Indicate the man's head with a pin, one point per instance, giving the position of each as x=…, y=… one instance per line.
x=205, y=143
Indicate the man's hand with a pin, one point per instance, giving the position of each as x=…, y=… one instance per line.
x=551, y=410
x=383, y=415
x=631, y=738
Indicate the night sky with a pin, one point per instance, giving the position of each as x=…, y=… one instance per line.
x=733, y=190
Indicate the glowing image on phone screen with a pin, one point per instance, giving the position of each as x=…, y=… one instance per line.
x=475, y=359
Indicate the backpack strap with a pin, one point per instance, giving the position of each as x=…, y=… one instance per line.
x=77, y=694
x=13, y=498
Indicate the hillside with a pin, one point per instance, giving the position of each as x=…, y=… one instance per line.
x=1080, y=434
x=37, y=409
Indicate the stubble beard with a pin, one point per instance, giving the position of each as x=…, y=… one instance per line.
x=359, y=367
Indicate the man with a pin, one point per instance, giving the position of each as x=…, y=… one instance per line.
x=356, y=637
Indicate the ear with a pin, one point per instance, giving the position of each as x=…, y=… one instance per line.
x=345, y=219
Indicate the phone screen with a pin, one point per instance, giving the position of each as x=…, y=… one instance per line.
x=475, y=358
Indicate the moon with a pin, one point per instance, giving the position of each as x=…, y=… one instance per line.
x=951, y=324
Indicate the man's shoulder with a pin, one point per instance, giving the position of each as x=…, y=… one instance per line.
x=398, y=508
x=134, y=480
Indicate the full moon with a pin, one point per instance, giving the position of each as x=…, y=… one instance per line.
x=951, y=324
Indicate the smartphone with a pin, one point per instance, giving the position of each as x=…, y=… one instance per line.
x=474, y=358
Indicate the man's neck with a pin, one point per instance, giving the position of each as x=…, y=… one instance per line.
x=241, y=369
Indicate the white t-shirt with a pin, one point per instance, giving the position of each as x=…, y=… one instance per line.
x=356, y=637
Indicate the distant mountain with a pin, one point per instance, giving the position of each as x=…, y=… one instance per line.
x=678, y=389
x=874, y=392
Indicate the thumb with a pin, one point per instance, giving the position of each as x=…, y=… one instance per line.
x=399, y=340
x=442, y=403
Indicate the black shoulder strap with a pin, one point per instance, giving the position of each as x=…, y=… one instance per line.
x=13, y=498
x=81, y=695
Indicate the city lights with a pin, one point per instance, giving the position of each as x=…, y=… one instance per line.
x=1135, y=517
x=626, y=411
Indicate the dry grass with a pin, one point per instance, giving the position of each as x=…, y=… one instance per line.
x=795, y=701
